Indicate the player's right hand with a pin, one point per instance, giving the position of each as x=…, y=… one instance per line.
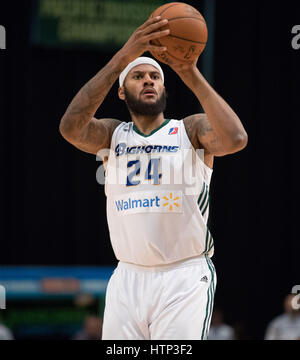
x=139, y=42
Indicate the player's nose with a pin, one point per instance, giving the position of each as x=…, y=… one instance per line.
x=148, y=80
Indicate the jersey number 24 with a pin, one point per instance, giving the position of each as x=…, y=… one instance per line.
x=152, y=172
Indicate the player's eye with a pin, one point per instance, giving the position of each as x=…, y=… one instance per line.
x=155, y=77
x=137, y=77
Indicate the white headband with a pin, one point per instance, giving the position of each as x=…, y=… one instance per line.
x=136, y=62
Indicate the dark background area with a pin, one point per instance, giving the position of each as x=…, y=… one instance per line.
x=53, y=210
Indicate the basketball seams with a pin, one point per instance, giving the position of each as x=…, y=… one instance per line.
x=167, y=51
x=169, y=8
x=187, y=17
x=182, y=38
x=172, y=56
x=184, y=49
x=192, y=41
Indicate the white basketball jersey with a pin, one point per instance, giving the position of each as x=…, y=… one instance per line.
x=157, y=189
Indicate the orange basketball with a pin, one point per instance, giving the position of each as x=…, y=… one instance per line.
x=188, y=33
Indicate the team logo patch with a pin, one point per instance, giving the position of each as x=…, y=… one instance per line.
x=146, y=202
x=173, y=131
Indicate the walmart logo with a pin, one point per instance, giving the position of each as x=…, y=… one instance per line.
x=170, y=201
x=139, y=203
x=149, y=201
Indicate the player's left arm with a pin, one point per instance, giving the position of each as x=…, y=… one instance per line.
x=219, y=131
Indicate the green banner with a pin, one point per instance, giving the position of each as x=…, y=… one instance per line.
x=97, y=23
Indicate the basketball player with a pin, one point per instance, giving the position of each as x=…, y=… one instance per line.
x=164, y=284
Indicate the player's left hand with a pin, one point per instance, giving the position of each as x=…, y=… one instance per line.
x=184, y=67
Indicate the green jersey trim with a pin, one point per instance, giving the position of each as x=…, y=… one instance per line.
x=153, y=131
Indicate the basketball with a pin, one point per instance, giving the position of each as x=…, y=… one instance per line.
x=188, y=33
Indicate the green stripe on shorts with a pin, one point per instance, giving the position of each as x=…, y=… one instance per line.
x=213, y=288
x=210, y=301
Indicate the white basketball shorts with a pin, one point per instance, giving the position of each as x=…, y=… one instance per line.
x=170, y=302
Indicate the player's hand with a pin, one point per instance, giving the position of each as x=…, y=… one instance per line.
x=184, y=67
x=139, y=42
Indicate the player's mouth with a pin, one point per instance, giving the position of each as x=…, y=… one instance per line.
x=149, y=92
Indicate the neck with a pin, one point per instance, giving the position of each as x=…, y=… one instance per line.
x=146, y=123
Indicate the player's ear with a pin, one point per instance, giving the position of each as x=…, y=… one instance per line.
x=121, y=93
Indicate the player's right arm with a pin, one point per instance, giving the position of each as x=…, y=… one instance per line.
x=78, y=125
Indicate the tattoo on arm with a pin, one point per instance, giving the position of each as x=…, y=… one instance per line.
x=89, y=98
x=191, y=131
x=201, y=133
x=97, y=135
x=204, y=126
x=78, y=126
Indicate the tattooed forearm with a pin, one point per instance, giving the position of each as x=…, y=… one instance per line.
x=89, y=98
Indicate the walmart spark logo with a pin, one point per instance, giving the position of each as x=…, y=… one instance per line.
x=159, y=201
x=170, y=201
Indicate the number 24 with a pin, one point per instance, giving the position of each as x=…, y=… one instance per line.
x=152, y=171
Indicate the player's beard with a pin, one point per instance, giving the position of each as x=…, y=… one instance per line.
x=139, y=107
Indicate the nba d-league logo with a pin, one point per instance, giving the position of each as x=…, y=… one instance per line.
x=2, y=37
x=2, y=298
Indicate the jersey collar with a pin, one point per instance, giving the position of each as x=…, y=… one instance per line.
x=153, y=131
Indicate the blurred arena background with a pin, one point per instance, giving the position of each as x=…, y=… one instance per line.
x=55, y=254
